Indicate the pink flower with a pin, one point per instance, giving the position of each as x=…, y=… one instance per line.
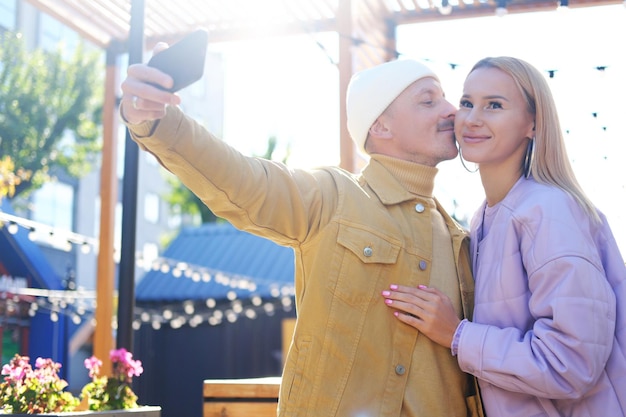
x=16, y=372
x=120, y=355
x=93, y=364
x=40, y=363
x=123, y=364
x=25, y=390
x=6, y=369
x=32, y=391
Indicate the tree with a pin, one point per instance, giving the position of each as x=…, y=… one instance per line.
x=181, y=198
x=9, y=179
x=50, y=110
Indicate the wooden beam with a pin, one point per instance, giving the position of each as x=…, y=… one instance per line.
x=102, y=21
x=489, y=9
x=68, y=15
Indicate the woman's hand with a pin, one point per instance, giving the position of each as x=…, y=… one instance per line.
x=427, y=309
x=142, y=99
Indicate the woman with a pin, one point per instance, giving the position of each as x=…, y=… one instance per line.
x=548, y=336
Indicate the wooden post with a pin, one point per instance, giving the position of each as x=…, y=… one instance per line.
x=103, y=337
x=347, y=149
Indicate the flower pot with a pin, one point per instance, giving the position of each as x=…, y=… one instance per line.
x=144, y=411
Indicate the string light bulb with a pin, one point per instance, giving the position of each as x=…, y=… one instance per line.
x=85, y=248
x=501, y=8
x=13, y=228
x=445, y=8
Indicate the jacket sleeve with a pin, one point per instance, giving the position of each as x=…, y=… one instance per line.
x=571, y=318
x=257, y=195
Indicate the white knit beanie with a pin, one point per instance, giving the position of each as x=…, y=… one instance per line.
x=372, y=90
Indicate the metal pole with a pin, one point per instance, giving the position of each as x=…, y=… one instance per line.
x=126, y=275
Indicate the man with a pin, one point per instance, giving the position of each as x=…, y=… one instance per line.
x=352, y=235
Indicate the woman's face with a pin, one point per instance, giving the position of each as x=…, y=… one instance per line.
x=493, y=124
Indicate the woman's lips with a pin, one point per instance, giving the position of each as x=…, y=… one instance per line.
x=473, y=138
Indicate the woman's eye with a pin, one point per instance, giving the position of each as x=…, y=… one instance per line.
x=494, y=105
x=465, y=104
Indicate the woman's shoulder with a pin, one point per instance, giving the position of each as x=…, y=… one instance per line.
x=529, y=197
x=551, y=223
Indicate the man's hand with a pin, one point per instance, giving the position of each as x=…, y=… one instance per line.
x=142, y=100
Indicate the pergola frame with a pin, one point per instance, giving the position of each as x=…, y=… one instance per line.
x=367, y=30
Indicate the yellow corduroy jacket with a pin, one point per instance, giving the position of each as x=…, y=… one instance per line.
x=352, y=237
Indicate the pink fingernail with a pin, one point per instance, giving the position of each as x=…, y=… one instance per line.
x=395, y=313
x=386, y=293
x=422, y=287
x=388, y=301
x=393, y=286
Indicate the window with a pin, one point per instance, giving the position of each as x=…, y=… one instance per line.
x=150, y=254
x=151, y=159
x=118, y=231
x=54, y=33
x=151, y=208
x=54, y=205
x=121, y=150
x=8, y=10
x=175, y=219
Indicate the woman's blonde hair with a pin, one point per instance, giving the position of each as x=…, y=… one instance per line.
x=551, y=164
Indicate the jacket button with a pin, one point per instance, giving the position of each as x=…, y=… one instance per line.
x=400, y=370
x=419, y=207
x=368, y=251
x=423, y=265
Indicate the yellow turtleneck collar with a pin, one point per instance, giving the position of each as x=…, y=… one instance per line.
x=416, y=178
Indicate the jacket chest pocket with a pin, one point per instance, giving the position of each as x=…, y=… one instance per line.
x=364, y=257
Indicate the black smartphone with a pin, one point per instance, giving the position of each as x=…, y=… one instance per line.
x=184, y=60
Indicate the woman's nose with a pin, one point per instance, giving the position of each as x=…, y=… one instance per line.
x=473, y=118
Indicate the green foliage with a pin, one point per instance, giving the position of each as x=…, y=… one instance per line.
x=50, y=109
x=114, y=392
x=109, y=394
x=182, y=199
x=271, y=148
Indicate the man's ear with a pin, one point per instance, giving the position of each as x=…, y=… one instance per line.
x=379, y=129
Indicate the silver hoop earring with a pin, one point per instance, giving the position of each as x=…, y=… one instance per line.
x=529, y=158
x=465, y=166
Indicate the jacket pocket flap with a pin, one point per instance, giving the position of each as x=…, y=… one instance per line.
x=367, y=245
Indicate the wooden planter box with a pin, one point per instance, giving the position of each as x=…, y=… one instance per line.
x=256, y=397
x=144, y=411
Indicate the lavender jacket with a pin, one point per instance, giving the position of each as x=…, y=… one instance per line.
x=549, y=330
